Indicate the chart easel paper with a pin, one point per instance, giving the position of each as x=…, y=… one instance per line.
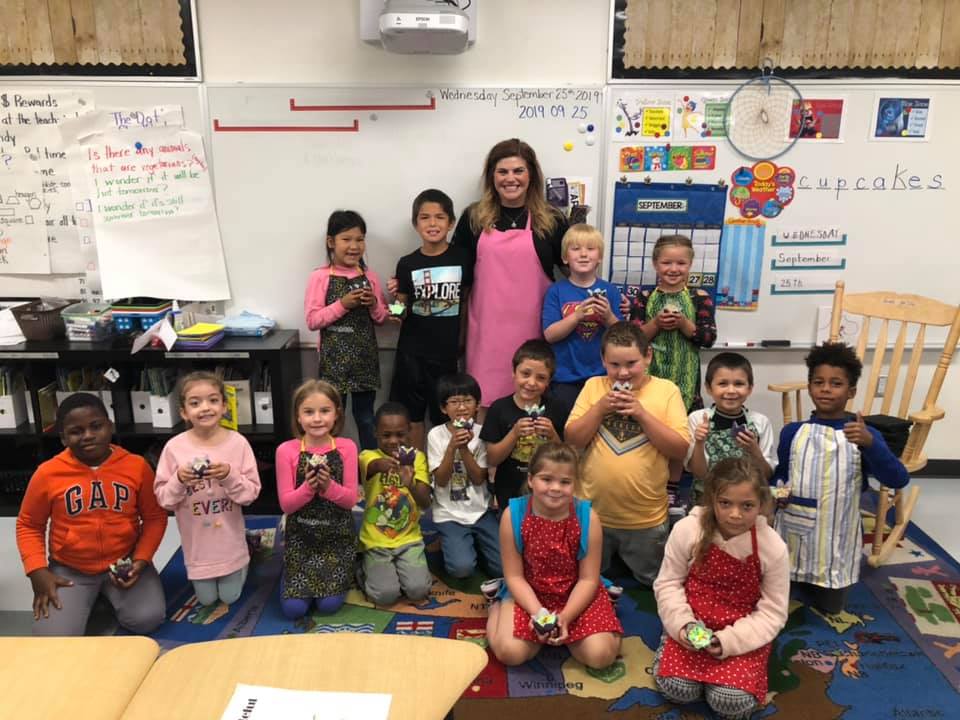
x=153, y=214
x=30, y=136
x=258, y=702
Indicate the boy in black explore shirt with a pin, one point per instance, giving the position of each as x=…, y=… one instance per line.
x=432, y=283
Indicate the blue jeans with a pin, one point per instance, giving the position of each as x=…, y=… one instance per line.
x=459, y=543
x=361, y=403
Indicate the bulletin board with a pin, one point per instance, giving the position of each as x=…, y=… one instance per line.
x=869, y=202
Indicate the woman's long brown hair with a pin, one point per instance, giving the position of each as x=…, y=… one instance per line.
x=486, y=212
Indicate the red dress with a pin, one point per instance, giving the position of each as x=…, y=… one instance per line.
x=551, y=567
x=721, y=590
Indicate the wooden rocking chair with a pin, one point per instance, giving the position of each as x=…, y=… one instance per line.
x=907, y=311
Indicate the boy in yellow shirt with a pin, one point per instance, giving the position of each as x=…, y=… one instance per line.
x=396, y=486
x=631, y=425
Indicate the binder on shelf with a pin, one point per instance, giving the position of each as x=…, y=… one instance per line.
x=163, y=411
x=244, y=401
x=13, y=411
x=140, y=400
x=229, y=419
x=47, y=398
x=263, y=408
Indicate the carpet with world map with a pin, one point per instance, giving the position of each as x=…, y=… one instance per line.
x=894, y=653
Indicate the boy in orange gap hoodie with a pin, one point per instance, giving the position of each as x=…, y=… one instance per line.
x=100, y=503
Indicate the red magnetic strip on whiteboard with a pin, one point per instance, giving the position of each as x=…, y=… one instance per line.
x=217, y=127
x=432, y=105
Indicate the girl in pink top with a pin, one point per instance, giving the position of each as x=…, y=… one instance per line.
x=205, y=475
x=317, y=487
x=344, y=300
x=722, y=594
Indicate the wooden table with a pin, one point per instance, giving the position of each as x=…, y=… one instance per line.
x=425, y=675
x=81, y=678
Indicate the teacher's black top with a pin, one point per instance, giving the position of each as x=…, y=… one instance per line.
x=547, y=247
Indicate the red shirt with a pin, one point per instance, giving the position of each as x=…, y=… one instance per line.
x=97, y=515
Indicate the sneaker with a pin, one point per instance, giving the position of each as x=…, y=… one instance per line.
x=491, y=588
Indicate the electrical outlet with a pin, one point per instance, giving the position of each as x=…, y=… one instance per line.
x=881, y=386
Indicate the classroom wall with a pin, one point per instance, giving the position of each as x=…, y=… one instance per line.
x=534, y=42
x=519, y=42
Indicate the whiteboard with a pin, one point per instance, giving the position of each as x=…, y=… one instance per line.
x=117, y=96
x=899, y=238
x=277, y=180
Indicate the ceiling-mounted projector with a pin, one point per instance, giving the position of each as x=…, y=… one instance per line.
x=424, y=27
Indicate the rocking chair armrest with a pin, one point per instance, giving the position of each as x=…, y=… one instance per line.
x=928, y=416
x=786, y=387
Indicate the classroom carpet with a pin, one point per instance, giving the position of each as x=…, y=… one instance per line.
x=894, y=653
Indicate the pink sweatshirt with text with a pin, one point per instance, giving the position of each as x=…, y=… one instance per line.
x=209, y=516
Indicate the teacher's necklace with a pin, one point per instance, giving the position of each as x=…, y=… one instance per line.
x=514, y=219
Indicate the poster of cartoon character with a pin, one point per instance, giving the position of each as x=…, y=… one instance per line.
x=898, y=118
x=817, y=119
x=700, y=115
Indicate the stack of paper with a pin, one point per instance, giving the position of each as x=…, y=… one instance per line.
x=10, y=333
x=258, y=702
x=201, y=336
x=248, y=324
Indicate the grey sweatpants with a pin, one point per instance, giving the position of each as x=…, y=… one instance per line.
x=390, y=571
x=139, y=609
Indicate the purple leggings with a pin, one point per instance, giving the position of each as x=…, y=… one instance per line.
x=296, y=608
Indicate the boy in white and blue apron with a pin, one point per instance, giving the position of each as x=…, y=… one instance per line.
x=824, y=462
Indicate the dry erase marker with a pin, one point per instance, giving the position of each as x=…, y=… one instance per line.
x=741, y=344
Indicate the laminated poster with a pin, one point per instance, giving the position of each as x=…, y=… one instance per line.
x=741, y=265
x=816, y=119
x=642, y=118
x=896, y=118
x=762, y=189
x=700, y=115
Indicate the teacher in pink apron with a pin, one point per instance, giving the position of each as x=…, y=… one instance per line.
x=514, y=237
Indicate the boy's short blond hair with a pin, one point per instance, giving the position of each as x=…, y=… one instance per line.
x=581, y=234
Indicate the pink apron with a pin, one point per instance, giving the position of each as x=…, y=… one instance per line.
x=505, y=307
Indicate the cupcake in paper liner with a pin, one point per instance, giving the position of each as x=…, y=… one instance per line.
x=200, y=465
x=122, y=569
x=406, y=455
x=463, y=423
x=536, y=411
x=622, y=386
x=699, y=635
x=544, y=622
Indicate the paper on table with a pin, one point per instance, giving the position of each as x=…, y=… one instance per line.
x=258, y=702
x=10, y=333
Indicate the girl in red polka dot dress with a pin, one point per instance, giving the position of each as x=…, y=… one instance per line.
x=722, y=594
x=555, y=570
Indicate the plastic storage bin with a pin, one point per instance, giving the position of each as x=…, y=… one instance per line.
x=88, y=322
x=40, y=319
x=139, y=313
